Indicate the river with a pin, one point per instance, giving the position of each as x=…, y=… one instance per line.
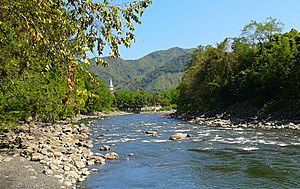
x=212, y=158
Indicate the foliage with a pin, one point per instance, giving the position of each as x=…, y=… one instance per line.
x=132, y=100
x=43, y=61
x=240, y=71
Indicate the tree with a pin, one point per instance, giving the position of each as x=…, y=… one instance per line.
x=255, y=32
x=43, y=46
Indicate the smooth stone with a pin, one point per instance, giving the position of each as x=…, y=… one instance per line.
x=151, y=133
x=85, y=172
x=48, y=172
x=79, y=164
x=53, y=167
x=30, y=137
x=94, y=170
x=99, y=160
x=37, y=157
x=71, y=174
x=111, y=156
x=57, y=154
x=179, y=136
x=81, y=179
x=67, y=168
x=104, y=148
x=68, y=183
x=90, y=162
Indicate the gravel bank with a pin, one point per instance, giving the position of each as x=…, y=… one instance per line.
x=52, y=156
x=222, y=120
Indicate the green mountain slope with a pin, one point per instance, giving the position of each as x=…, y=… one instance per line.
x=153, y=72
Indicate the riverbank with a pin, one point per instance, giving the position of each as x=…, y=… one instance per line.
x=225, y=119
x=41, y=155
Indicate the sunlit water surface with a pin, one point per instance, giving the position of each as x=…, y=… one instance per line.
x=212, y=158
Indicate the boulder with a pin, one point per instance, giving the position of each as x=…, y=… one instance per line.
x=104, y=148
x=111, y=156
x=179, y=136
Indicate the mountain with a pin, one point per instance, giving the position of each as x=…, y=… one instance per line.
x=156, y=71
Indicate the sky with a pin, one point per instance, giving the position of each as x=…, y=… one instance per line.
x=189, y=23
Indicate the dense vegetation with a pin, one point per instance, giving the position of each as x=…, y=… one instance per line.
x=135, y=100
x=43, y=61
x=159, y=70
x=259, y=69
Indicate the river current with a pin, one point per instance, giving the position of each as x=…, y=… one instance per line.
x=212, y=157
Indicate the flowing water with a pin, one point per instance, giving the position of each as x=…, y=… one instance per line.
x=212, y=158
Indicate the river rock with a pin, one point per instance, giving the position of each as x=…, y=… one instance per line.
x=179, y=136
x=24, y=128
x=111, y=156
x=99, y=160
x=104, y=148
x=30, y=137
x=151, y=133
x=94, y=170
x=37, y=157
x=85, y=171
x=57, y=154
x=90, y=162
x=67, y=168
x=71, y=174
x=79, y=164
x=29, y=119
x=48, y=172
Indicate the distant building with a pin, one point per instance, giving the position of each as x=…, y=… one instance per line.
x=111, y=86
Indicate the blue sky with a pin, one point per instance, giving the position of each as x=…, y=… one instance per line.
x=189, y=23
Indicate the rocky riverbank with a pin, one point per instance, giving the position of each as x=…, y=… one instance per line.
x=223, y=120
x=62, y=151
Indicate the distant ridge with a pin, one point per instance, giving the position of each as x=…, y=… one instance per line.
x=156, y=71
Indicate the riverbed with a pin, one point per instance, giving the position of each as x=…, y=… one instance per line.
x=212, y=157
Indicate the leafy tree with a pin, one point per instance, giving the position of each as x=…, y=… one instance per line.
x=256, y=32
x=43, y=46
x=262, y=72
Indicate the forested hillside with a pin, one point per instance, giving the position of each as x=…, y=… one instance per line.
x=259, y=70
x=156, y=71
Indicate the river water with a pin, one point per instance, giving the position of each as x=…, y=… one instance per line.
x=212, y=158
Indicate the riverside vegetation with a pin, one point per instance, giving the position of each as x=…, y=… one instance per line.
x=256, y=75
